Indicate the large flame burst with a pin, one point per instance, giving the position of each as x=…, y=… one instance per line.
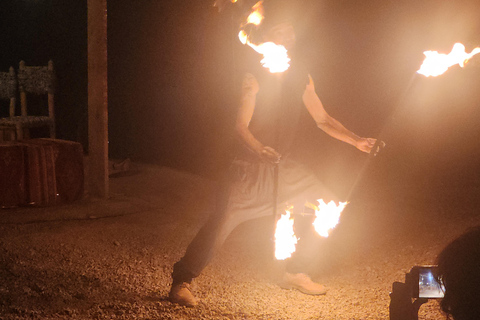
x=275, y=57
x=436, y=63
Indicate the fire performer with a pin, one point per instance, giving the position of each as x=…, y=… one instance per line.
x=267, y=124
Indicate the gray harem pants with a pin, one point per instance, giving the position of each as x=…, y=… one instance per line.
x=247, y=193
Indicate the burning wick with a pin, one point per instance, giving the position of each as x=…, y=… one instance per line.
x=436, y=63
x=285, y=239
x=275, y=57
x=327, y=216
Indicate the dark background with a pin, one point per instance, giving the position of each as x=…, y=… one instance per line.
x=173, y=70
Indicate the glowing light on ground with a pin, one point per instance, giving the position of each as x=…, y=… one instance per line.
x=436, y=63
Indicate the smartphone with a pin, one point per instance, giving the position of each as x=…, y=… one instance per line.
x=423, y=283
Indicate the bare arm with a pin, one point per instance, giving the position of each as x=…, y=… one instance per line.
x=330, y=125
x=249, y=92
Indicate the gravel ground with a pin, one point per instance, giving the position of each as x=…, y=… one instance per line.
x=112, y=259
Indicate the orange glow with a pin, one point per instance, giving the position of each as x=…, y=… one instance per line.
x=243, y=37
x=256, y=17
x=436, y=63
x=285, y=239
x=275, y=57
x=327, y=216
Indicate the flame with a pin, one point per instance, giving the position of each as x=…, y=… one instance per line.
x=436, y=63
x=285, y=239
x=243, y=37
x=326, y=216
x=275, y=57
x=256, y=16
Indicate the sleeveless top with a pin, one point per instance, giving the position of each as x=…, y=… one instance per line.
x=280, y=115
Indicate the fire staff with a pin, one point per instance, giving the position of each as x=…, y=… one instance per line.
x=268, y=125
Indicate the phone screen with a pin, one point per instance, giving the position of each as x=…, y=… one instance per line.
x=428, y=287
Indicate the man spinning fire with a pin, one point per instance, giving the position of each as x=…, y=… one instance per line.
x=269, y=123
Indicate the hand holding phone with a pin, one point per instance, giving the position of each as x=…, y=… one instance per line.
x=420, y=285
x=424, y=283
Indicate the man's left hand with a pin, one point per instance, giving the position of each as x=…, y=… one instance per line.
x=366, y=144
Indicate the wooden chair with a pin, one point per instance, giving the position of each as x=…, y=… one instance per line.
x=38, y=81
x=8, y=91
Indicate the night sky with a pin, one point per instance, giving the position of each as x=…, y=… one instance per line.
x=173, y=78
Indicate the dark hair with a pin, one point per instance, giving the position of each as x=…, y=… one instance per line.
x=459, y=270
